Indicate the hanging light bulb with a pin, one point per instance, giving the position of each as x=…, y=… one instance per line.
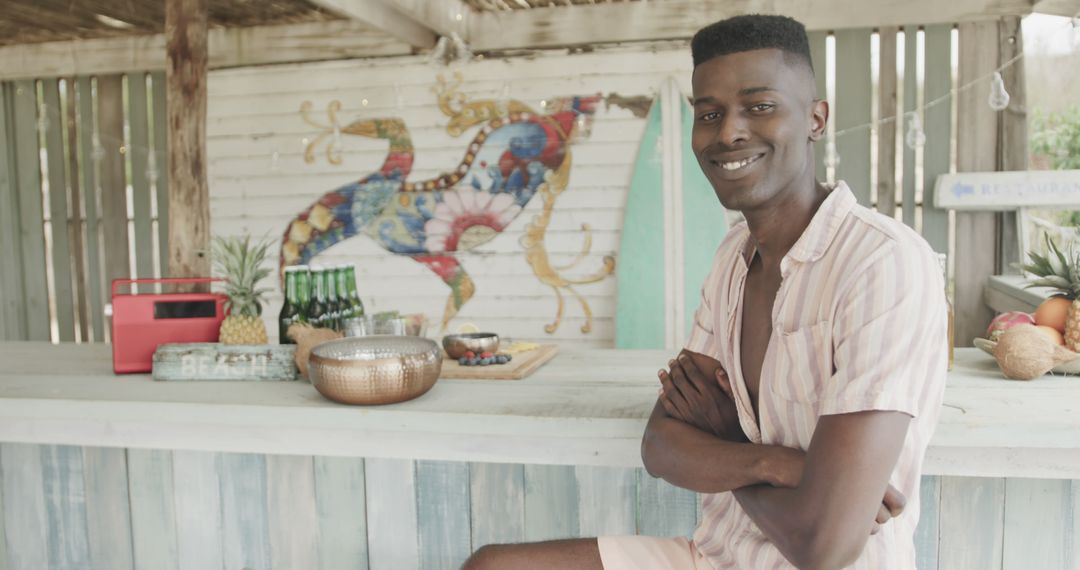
x=915, y=137
x=151, y=168
x=999, y=97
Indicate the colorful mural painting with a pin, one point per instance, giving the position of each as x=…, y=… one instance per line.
x=517, y=155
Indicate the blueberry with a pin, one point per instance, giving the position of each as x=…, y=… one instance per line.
x=500, y=359
x=486, y=361
x=509, y=357
x=474, y=361
x=463, y=361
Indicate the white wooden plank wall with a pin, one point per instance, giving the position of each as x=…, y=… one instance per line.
x=68, y=507
x=254, y=113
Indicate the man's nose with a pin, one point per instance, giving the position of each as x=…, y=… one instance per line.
x=732, y=129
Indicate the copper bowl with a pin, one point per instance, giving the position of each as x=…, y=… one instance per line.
x=456, y=345
x=375, y=369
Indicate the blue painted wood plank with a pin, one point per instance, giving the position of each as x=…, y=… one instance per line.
x=608, y=500
x=31, y=230
x=853, y=108
x=391, y=514
x=442, y=509
x=161, y=155
x=153, y=513
x=910, y=105
x=497, y=496
x=24, y=506
x=1036, y=520
x=342, y=509
x=64, y=494
x=971, y=523
x=12, y=312
x=3, y=535
x=291, y=505
x=927, y=533
x=663, y=509
x=818, y=55
x=88, y=171
x=108, y=511
x=938, y=127
x=62, y=290
x=551, y=502
x=139, y=153
x=197, y=492
x=244, y=514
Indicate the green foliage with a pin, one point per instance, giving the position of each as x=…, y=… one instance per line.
x=1057, y=137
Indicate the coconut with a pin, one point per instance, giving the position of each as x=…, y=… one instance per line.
x=1024, y=352
x=307, y=337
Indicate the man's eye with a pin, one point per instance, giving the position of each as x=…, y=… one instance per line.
x=762, y=107
x=708, y=117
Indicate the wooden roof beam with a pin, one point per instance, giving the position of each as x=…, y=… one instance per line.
x=679, y=19
x=237, y=47
x=441, y=16
x=383, y=17
x=1069, y=8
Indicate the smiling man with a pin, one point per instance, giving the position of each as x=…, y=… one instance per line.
x=803, y=403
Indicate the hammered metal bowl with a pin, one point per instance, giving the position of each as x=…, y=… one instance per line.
x=375, y=369
x=456, y=345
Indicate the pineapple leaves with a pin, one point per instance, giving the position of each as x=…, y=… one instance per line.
x=1055, y=270
x=241, y=264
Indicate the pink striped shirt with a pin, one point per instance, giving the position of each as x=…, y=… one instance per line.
x=859, y=323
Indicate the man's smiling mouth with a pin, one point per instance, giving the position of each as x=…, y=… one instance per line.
x=737, y=164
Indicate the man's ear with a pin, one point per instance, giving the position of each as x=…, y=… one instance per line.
x=819, y=118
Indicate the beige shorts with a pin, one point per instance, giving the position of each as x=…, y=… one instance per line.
x=650, y=553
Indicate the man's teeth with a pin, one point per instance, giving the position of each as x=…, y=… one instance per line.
x=738, y=164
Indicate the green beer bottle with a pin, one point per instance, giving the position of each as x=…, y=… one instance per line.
x=318, y=313
x=333, y=300
x=303, y=292
x=352, y=293
x=290, y=308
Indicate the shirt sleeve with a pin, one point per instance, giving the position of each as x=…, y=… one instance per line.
x=889, y=335
x=703, y=339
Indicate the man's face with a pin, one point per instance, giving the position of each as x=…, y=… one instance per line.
x=754, y=119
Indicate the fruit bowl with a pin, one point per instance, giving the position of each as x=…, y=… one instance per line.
x=456, y=345
x=1071, y=367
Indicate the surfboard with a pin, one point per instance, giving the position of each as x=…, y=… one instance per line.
x=672, y=225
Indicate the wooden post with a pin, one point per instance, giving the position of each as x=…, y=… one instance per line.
x=886, y=171
x=1012, y=136
x=185, y=78
x=976, y=151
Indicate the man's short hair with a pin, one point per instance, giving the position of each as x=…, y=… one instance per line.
x=751, y=32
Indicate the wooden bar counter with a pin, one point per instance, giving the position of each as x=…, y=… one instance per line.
x=420, y=484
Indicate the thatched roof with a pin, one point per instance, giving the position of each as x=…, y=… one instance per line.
x=35, y=21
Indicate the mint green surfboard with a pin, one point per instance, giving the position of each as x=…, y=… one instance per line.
x=642, y=296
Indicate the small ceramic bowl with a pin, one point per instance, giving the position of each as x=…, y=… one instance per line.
x=456, y=345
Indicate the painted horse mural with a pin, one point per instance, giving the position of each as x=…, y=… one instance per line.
x=517, y=155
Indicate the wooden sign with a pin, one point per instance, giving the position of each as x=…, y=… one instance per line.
x=213, y=361
x=999, y=191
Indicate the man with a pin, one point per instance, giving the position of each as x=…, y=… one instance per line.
x=813, y=378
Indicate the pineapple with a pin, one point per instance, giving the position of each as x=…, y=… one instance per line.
x=240, y=263
x=1061, y=272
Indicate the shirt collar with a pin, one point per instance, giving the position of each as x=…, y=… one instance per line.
x=825, y=224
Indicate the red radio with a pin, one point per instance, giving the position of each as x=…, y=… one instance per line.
x=142, y=322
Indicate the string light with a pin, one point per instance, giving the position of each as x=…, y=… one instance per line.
x=915, y=137
x=999, y=97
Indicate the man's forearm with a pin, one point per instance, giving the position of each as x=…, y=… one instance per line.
x=702, y=462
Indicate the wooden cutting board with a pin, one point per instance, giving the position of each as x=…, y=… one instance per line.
x=522, y=365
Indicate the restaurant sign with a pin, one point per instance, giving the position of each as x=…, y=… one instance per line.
x=1008, y=190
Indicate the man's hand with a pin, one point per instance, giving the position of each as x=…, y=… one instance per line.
x=693, y=391
x=891, y=506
